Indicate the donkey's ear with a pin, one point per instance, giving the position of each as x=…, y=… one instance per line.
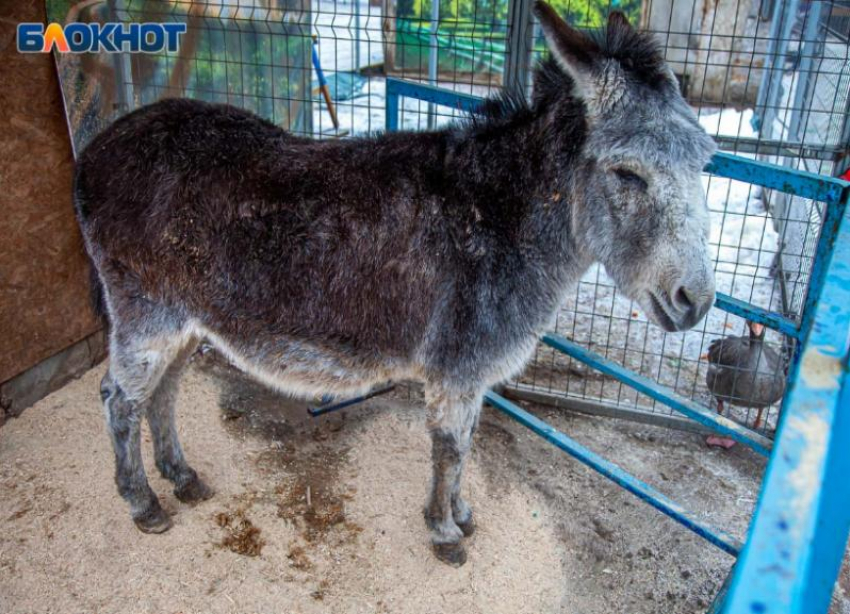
x=618, y=22
x=575, y=52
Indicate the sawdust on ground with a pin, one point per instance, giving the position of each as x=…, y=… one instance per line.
x=67, y=543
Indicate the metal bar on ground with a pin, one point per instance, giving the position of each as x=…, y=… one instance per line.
x=524, y=392
x=643, y=491
x=326, y=409
x=703, y=415
x=799, y=530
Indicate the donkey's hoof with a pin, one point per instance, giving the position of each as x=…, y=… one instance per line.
x=467, y=528
x=194, y=491
x=155, y=520
x=451, y=554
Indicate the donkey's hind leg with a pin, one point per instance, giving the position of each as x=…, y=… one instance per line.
x=188, y=487
x=452, y=420
x=138, y=360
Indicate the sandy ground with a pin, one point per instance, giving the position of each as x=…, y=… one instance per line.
x=552, y=535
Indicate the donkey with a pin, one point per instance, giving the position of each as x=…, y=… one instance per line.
x=330, y=266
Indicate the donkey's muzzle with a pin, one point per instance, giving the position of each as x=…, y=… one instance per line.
x=688, y=306
x=681, y=309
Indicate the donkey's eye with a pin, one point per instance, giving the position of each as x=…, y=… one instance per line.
x=630, y=179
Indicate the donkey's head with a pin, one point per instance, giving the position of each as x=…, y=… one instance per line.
x=639, y=206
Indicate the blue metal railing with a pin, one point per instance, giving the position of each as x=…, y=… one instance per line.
x=800, y=526
x=397, y=89
x=643, y=491
x=672, y=399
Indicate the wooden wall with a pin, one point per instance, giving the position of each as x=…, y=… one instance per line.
x=44, y=304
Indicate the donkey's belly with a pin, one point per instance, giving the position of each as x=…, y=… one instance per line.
x=300, y=368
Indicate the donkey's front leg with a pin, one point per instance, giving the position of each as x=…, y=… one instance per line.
x=452, y=420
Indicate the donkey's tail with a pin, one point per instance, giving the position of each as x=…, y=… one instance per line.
x=98, y=301
x=96, y=295
x=79, y=194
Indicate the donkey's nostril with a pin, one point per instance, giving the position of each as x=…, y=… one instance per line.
x=683, y=300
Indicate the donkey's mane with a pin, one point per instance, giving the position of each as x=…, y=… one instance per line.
x=637, y=52
x=511, y=108
x=506, y=106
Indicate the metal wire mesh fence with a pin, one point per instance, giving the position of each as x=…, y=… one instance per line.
x=768, y=79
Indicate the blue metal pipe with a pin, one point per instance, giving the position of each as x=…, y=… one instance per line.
x=427, y=93
x=643, y=491
x=326, y=409
x=772, y=320
x=804, y=184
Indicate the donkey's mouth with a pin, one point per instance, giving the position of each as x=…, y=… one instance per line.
x=660, y=315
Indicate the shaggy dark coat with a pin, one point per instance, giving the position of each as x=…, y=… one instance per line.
x=328, y=266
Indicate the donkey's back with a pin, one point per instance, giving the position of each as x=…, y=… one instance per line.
x=207, y=220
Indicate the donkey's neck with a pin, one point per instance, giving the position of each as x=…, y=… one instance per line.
x=504, y=158
x=506, y=199
x=516, y=173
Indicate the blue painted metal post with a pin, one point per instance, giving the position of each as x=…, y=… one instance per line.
x=799, y=530
x=832, y=220
x=391, y=119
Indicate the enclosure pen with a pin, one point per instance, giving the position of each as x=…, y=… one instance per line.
x=789, y=62
x=770, y=82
